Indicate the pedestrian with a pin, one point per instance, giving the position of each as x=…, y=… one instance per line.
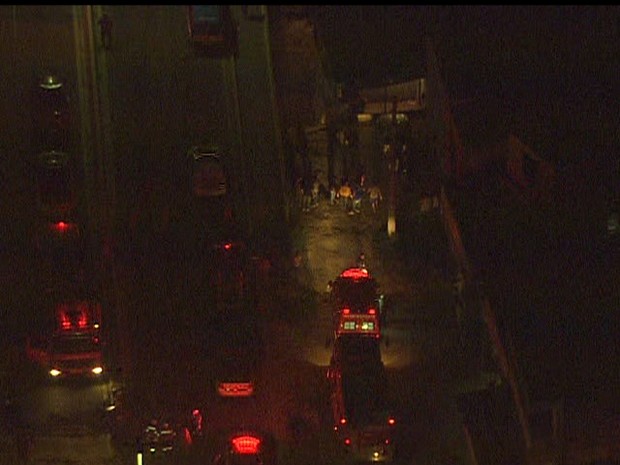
x=105, y=24
x=299, y=192
x=374, y=193
x=307, y=193
x=458, y=285
x=346, y=196
x=358, y=195
x=316, y=188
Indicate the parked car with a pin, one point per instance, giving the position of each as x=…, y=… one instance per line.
x=362, y=418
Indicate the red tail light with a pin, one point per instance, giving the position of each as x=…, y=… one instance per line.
x=387, y=441
x=347, y=441
x=228, y=246
x=372, y=311
x=246, y=444
x=391, y=421
x=343, y=421
x=346, y=311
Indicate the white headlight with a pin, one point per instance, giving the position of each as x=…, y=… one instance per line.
x=54, y=372
x=97, y=370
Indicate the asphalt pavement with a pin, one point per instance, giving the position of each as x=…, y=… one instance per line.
x=421, y=333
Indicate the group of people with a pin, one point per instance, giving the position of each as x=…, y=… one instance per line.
x=351, y=196
x=308, y=190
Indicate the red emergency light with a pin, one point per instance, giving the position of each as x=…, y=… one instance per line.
x=355, y=273
x=61, y=226
x=70, y=321
x=246, y=444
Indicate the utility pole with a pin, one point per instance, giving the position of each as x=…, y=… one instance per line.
x=393, y=169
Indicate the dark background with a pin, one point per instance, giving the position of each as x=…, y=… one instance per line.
x=553, y=69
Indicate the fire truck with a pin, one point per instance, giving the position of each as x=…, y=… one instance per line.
x=71, y=345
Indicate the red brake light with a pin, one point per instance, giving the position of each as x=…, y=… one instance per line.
x=346, y=311
x=343, y=421
x=372, y=311
x=347, y=441
x=391, y=421
x=228, y=246
x=246, y=444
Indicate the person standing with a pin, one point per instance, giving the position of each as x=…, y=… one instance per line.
x=332, y=195
x=346, y=195
x=375, y=196
x=316, y=189
x=358, y=195
x=307, y=193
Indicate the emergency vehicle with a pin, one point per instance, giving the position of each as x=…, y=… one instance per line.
x=362, y=418
x=356, y=303
x=72, y=345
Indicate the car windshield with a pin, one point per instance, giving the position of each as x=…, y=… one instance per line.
x=75, y=344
